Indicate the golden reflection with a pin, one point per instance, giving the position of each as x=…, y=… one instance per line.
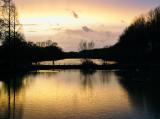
x=63, y=93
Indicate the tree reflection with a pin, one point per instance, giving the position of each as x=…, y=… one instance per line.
x=12, y=93
x=87, y=78
x=106, y=76
x=143, y=90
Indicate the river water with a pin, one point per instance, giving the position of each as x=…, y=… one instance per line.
x=79, y=94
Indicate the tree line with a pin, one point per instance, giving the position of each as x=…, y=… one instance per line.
x=138, y=44
x=14, y=48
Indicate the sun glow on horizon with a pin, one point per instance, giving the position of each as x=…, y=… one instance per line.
x=106, y=19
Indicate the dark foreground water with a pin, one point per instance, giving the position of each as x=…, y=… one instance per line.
x=75, y=94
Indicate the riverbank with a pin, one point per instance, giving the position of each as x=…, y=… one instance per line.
x=27, y=68
x=96, y=67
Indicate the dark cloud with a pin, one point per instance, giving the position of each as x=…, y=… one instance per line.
x=66, y=37
x=86, y=29
x=75, y=15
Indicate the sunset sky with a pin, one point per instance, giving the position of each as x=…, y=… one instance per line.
x=67, y=22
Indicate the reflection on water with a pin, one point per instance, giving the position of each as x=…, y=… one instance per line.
x=74, y=62
x=70, y=94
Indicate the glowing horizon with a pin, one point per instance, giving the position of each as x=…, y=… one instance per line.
x=50, y=19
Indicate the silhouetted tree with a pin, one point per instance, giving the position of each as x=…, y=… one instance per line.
x=10, y=20
x=140, y=42
x=84, y=47
x=14, y=50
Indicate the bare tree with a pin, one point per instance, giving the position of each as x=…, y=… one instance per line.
x=84, y=46
x=47, y=43
x=10, y=20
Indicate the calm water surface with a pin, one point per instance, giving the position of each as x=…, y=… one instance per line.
x=74, y=62
x=75, y=94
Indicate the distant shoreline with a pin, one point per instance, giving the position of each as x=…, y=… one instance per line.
x=6, y=69
x=96, y=67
